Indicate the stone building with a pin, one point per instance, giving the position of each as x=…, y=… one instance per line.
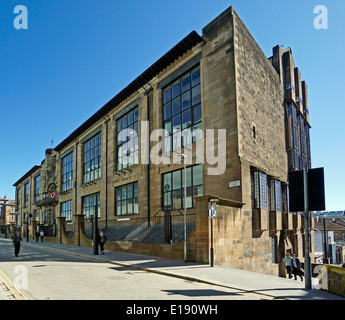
x=7, y=214
x=126, y=162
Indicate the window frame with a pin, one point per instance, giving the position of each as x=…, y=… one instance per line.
x=66, y=210
x=168, y=194
x=123, y=128
x=37, y=189
x=90, y=147
x=67, y=175
x=259, y=190
x=175, y=115
x=121, y=202
x=88, y=211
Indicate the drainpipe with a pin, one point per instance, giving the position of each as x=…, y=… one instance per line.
x=106, y=171
x=147, y=94
x=76, y=188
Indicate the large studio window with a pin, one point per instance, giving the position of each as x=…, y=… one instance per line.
x=128, y=140
x=182, y=110
x=67, y=172
x=92, y=158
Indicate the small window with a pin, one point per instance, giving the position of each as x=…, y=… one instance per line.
x=127, y=199
x=259, y=190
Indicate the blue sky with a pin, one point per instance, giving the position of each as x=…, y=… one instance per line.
x=76, y=55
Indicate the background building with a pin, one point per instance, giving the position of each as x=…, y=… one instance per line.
x=7, y=216
x=220, y=80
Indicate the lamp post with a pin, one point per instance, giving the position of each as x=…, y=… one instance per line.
x=307, y=263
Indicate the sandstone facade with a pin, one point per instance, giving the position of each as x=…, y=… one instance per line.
x=232, y=86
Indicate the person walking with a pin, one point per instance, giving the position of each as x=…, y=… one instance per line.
x=37, y=235
x=16, y=242
x=102, y=239
x=42, y=235
x=297, y=267
x=287, y=261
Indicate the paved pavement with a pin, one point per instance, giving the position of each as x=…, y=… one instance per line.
x=276, y=287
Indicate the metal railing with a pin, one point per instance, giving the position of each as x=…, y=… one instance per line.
x=161, y=229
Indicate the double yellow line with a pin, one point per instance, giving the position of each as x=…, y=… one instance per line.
x=13, y=289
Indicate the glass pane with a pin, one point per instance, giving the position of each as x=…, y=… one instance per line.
x=176, y=140
x=135, y=189
x=197, y=191
x=136, y=129
x=177, y=199
x=130, y=118
x=176, y=106
x=118, y=208
x=125, y=122
x=195, y=77
x=189, y=201
x=167, y=127
x=136, y=207
x=189, y=177
x=197, y=113
x=167, y=182
x=130, y=191
x=197, y=175
x=185, y=83
x=124, y=207
x=124, y=193
x=176, y=90
x=186, y=100
x=136, y=115
x=176, y=179
x=130, y=206
x=196, y=95
x=167, y=111
x=167, y=95
x=86, y=202
x=186, y=119
x=167, y=199
x=118, y=193
x=177, y=122
x=197, y=132
x=167, y=144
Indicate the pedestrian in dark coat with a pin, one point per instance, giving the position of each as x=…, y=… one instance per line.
x=16, y=241
x=102, y=239
x=37, y=235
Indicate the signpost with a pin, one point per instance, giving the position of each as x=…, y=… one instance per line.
x=212, y=214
